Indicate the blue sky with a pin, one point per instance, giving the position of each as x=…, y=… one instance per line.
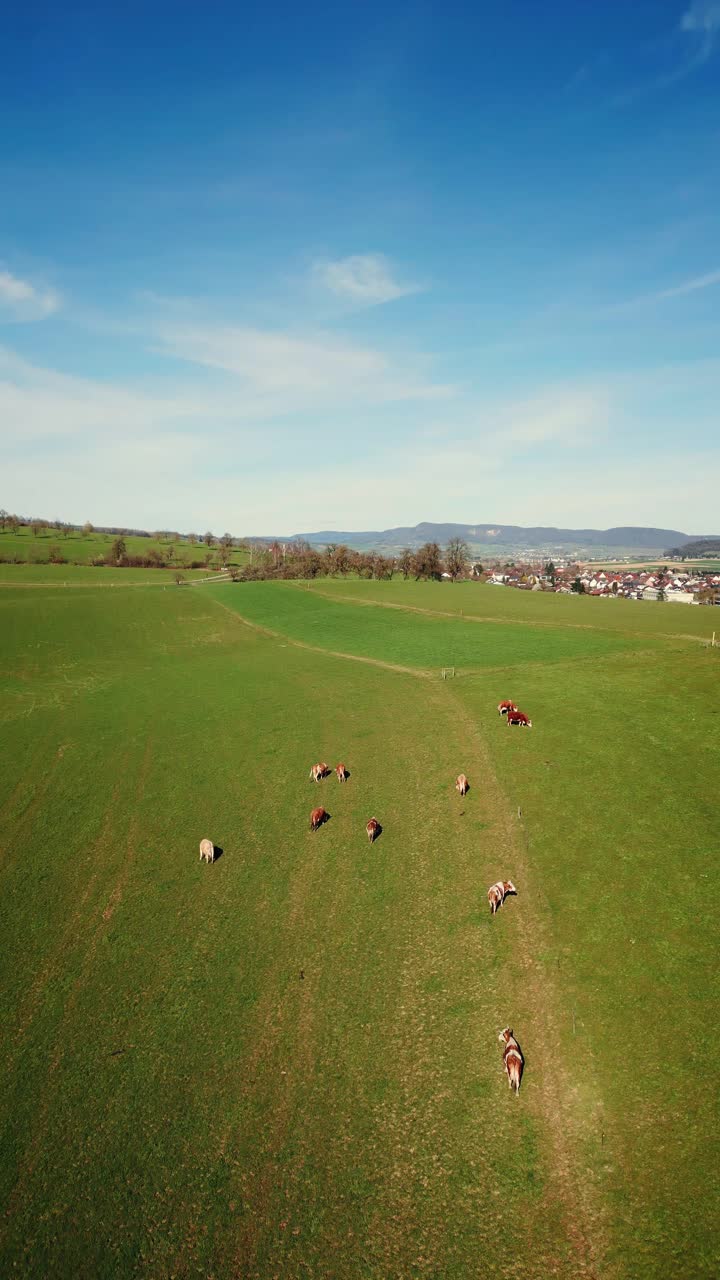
x=348, y=266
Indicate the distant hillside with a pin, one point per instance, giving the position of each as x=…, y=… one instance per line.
x=698, y=547
x=507, y=537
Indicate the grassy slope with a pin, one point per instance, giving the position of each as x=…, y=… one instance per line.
x=83, y=548
x=618, y=785
x=176, y=1099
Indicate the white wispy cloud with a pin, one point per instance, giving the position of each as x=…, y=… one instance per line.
x=640, y=301
x=691, y=286
x=365, y=278
x=280, y=370
x=693, y=42
x=21, y=300
x=191, y=454
x=702, y=20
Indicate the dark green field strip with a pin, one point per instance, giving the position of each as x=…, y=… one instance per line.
x=408, y=639
x=67, y=576
x=634, y=618
x=618, y=783
x=177, y=1099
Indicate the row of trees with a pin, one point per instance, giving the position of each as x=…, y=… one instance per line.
x=300, y=560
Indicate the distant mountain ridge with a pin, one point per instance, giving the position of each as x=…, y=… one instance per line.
x=538, y=537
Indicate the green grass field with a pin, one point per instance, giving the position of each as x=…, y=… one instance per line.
x=287, y=1064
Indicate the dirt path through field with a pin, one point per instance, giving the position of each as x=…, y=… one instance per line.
x=563, y=1119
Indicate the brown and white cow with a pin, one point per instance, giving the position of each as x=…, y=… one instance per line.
x=498, y=892
x=513, y=1060
x=519, y=717
x=318, y=771
x=341, y=772
x=373, y=829
x=462, y=785
x=207, y=851
x=504, y=707
x=317, y=817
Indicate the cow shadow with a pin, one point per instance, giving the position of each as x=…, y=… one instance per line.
x=378, y=833
x=217, y=852
x=325, y=818
x=511, y=893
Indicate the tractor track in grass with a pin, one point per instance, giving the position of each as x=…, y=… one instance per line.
x=70, y=933
x=39, y=791
x=553, y=1097
x=38, y=1133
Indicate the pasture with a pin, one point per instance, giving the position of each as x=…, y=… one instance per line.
x=287, y=1063
x=78, y=548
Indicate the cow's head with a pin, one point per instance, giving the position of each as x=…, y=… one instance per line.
x=529, y=724
x=509, y=887
x=506, y=1034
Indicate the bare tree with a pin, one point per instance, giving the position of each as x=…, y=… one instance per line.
x=456, y=557
x=405, y=562
x=88, y=528
x=209, y=539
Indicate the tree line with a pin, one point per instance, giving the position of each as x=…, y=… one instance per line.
x=299, y=560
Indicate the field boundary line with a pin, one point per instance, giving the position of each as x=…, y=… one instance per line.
x=421, y=673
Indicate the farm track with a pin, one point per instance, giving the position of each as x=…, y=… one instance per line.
x=584, y=1218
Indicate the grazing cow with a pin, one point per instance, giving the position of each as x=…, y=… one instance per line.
x=519, y=717
x=207, y=851
x=462, y=785
x=318, y=771
x=317, y=817
x=513, y=1060
x=373, y=829
x=505, y=707
x=341, y=772
x=498, y=892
